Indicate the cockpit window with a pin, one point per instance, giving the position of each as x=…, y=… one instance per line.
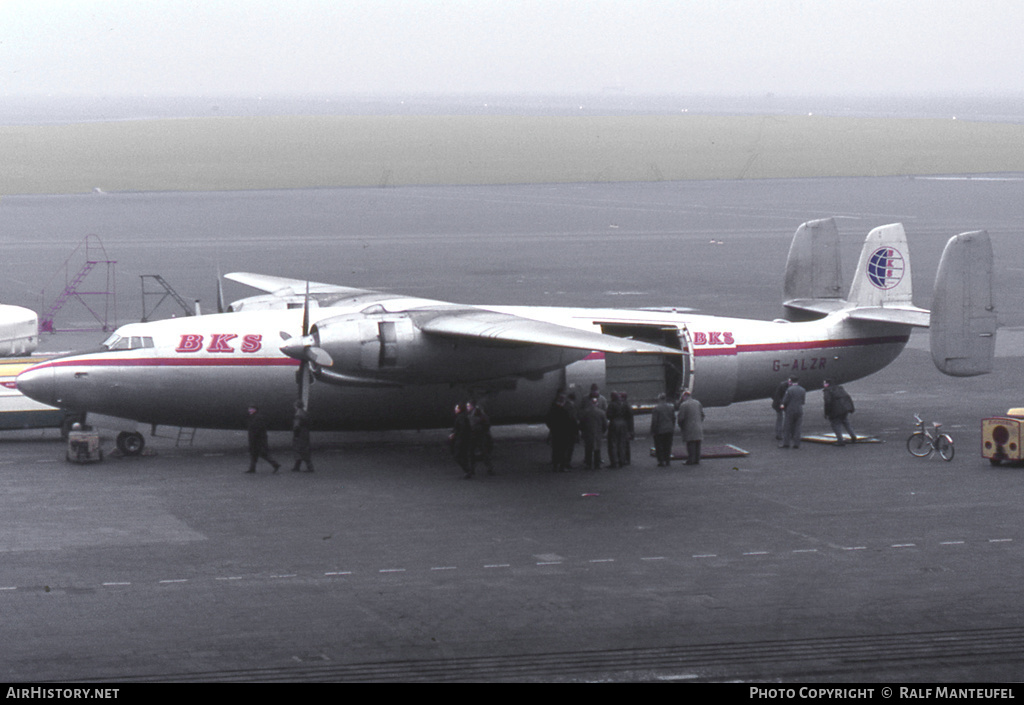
x=128, y=342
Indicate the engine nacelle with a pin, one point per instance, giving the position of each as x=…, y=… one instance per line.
x=390, y=348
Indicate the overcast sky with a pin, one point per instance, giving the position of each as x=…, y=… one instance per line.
x=263, y=47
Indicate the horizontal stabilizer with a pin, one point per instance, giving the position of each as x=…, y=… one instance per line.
x=495, y=327
x=906, y=315
x=963, y=320
x=819, y=307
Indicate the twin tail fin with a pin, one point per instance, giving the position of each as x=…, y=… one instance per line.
x=962, y=318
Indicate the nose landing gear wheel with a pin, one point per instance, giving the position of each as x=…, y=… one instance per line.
x=130, y=442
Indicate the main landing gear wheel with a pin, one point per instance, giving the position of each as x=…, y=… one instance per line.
x=130, y=442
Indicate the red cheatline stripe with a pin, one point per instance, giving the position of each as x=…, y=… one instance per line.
x=235, y=361
x=776, y=347
x=174, y=362
x=818, y=344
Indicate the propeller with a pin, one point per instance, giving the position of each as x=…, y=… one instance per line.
x=306, y=351
x=220, y=293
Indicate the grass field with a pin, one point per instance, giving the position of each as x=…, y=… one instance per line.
x=200, y=154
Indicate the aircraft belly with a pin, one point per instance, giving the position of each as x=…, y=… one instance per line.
x=341, y=407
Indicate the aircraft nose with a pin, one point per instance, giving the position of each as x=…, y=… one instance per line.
x=39, y=383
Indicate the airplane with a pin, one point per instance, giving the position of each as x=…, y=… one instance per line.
x=19, y=330
x=364, y=359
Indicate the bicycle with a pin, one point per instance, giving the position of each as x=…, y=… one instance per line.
x=923, y=442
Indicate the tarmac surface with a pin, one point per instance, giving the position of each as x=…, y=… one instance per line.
x=822, y=564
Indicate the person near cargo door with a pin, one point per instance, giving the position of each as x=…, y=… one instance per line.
x=838, y=407
x=663, y=425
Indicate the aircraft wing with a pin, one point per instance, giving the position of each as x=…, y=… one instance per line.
x=505, y=328
x=283, y=286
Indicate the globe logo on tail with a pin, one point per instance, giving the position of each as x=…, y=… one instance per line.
x=886, y=267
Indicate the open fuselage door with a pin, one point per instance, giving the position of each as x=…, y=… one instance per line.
x=644, y=377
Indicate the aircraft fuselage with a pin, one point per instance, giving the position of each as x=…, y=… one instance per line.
x=205, y=371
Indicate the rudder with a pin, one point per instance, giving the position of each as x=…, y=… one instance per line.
x=963, y=317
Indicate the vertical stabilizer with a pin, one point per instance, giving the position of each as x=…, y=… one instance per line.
x=812, y=268
x=963, y=318
x=883, y=272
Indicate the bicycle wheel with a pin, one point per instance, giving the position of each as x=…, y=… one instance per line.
x=944, y=444
x=919, y=445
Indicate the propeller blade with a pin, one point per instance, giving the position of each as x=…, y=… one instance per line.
x=304, y=379
x=220, y=293
x=305, y=313
x=319, y=356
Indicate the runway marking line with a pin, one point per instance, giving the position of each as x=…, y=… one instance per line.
x=539, y=563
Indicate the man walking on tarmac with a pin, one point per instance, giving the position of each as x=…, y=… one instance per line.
x=259, y=445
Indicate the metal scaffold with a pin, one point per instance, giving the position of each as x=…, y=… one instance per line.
x=85, y=267
x=160, y=290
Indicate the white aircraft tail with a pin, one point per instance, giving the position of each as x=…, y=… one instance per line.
x=962, y=319
x=883, y=272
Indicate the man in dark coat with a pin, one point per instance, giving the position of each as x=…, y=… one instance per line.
x=691, y=424
x=593, y=424
x=572, y=406
x=300, y=438
x=620, y=422
x=663, y=425
x=563, y=428
x=259, y=444
x=838, y=407
x=793, y=405
x=461, y=440
x=480, y=437
x=780, y=415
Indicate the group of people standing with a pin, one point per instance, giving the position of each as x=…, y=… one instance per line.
x=591, y=421
x=688, y=414
x=570, y=421
x=595, y=418
x=788, y=403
